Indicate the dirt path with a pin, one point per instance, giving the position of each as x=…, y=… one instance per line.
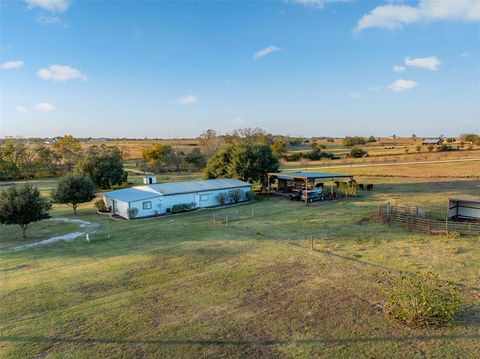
x=65, y=237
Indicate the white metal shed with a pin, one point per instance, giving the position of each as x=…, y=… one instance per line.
x=155, y=199
x=464, y=208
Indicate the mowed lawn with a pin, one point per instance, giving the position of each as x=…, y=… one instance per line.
x=182, y=286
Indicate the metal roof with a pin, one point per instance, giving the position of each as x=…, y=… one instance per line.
x=172, y=188
x=308, y=175
x=466, y=200
x=139, y=193
x=432, y=140
x=132, y=194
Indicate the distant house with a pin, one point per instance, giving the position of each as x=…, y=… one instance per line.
x=432, y=141
x=159, y=198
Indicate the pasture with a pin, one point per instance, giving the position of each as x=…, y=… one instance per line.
x=182, y=286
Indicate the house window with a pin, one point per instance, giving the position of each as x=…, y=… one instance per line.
x=147, y=205
x=204, y=197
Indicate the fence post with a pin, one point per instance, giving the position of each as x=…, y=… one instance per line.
x=311, y=237
x=446, y=225
x=214, y=218
x=226, y=220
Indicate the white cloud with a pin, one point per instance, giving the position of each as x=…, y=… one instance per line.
x=266, y=51
x=44, y=107
x=187, y=100
x=318, y=4
x=57, y=6
x=396, y=16
x=354, y=95
x=20, y=109
x=11, y=65
x=402, y=85
x=398, y=68
x=50, y=20
x=59, y=73
x=238, y=122
x=465, y=54
x=429, y=63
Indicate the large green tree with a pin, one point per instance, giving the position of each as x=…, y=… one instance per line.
x=70, y=149
x=104, y=165
x=248, y=162
x=73, y=190
x=23, y=206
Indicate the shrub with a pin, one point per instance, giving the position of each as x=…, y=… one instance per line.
x=357, y=152
x=236, y=195
x=444, y=148
x=222, y=198
x=353, y=141
x=421, y=300
x=101, y=206
x=132, y=212
x=348, y=190
x=185, y=207
x=249, y=196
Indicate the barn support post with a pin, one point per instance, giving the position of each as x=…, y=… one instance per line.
x=306, y=191
x=268, y=186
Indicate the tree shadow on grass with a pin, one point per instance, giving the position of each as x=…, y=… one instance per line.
x=468, y=316
x=226, y=342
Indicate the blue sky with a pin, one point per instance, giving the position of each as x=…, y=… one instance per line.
x=299, y=67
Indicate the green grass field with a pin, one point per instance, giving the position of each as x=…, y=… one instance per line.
x=182, y=286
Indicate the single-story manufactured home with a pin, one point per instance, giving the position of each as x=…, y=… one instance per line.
x=159, y=198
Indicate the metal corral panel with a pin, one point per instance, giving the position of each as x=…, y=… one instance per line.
x=466, y=208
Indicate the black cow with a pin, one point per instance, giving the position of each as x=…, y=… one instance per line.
x=369, y=187
x=360, y=185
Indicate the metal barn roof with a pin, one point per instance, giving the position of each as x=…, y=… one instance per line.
x=172, y=188
x=132, y=194
x=139, y=193
x=466, y=200
x=308, y=175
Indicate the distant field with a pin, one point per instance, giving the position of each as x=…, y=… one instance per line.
x=182, y=286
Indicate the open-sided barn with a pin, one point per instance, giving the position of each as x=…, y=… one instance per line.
x=159, y=198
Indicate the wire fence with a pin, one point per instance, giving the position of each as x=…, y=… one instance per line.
x=97, y=230
x=412, y=218
x=235, y=215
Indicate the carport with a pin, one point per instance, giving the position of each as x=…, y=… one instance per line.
x=305, y=177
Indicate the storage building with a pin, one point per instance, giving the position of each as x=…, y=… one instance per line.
x=155, y=199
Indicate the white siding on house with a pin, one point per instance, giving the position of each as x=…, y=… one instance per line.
x=149, y=204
